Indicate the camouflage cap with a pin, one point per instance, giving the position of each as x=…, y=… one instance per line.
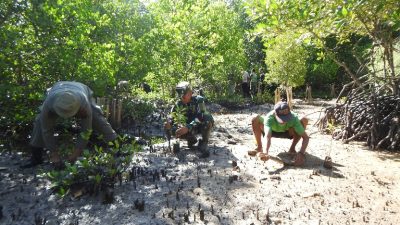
x=182, y=88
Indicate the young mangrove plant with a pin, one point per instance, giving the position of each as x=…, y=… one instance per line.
x=96, y=170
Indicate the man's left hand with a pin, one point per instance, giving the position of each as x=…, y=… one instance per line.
x=181, y=131
x=300, y=159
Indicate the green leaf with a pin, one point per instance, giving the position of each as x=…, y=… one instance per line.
x=62, y=192
x=86, y=134
x=97, y=178
x=85, y=163
x=344, y=11
x=86, y=153
x=273, y=4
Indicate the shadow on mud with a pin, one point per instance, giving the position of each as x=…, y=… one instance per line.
x=313, y=163
x=386, y=155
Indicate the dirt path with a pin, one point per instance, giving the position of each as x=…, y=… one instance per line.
x=363, y=186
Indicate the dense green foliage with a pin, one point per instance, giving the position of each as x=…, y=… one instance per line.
x=197, y=41
x=286, y=61
x=100, y=43
x=206, y=42
x=330, y=25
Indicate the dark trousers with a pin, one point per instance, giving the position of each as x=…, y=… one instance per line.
x=246, y=89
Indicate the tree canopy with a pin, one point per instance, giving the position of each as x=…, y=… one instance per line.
x=286, y=60
x=318, y=22
x=207, y=42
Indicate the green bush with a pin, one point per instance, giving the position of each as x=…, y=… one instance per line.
x=137, y=109
x=263, y=98
x=232, y=100
x=95, y=170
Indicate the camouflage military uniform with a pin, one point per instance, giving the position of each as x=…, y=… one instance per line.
x=198, y=121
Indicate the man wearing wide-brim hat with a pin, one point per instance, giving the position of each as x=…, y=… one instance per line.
x=282, y=123
x=64, y=100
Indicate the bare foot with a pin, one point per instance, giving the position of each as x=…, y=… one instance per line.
x=254, y=152
x=300, y=159
x=292, y=152
x=263, y=157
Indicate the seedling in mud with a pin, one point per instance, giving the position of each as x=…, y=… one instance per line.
x=108, y=196
x=171, y=215
x=156, y=140
x=198, y=182
x=201, y=214
x=176, y=147
x=96, y=170
x=139, y=204
x=179, y=118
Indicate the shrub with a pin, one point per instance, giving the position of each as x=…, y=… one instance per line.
x=94, y=170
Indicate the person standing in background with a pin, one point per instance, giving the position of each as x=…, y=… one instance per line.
x=245, y=84
x=253, y=83
x=262, y=78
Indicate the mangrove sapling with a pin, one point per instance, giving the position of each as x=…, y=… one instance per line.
x=186, y=218
x=97, y=170
x=179, y=120
x=139, y=204
x=202, y=214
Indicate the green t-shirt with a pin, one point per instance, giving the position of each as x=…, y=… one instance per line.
x=253, y=78
x=270, y=123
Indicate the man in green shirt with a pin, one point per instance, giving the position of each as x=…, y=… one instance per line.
x=281, y=123
x=253, y=83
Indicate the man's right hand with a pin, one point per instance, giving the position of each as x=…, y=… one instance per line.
x=182, y=131
x=167, y=126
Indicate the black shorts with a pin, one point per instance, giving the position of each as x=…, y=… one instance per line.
x=281, y=135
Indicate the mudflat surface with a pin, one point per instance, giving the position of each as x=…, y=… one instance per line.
x=361, y=188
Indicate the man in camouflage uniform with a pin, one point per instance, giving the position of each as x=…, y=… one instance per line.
x=197, y=119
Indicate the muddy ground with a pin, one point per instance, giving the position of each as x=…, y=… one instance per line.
x=361, y=188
